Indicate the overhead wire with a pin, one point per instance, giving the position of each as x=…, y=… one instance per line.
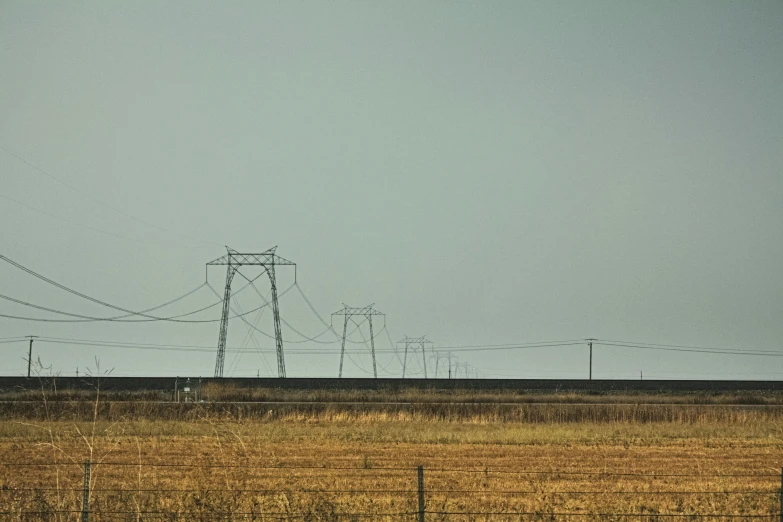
x=266, y=303
x=89, y=318
x=335, y=351
x=393, y=346
x=174, y=318
x=382, y=368
x=366, y=346
x=305, y=338
x=61, y=219
x=176, y=348
x=320, y=318
x=122, y=318
x=96, y=200
x=241, y=316
x=251, y=337
x=686, y=348
x=69, y=290
x=282, y=319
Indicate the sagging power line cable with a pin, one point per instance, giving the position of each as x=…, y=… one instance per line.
x=249, y=337
x=313, y=339
x=173, y=318
x=117, y=318
x=329, y=327
x=178, y=348
x=393, y=346
x=365, y=343
x=514, y=345
x=305, y=338
x=241, y=316
x=692, y=350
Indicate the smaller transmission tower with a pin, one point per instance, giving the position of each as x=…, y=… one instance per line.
x=415, y=342
x=367, y=312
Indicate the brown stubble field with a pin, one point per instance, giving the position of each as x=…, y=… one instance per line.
x=347, y=464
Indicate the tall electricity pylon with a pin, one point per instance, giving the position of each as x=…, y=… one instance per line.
x=233, y=260
x=415, y=342
x=367, y=312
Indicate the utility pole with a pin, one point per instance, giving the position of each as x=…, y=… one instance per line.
x=590, y=344
x=234, y=260
x=367, y=312
x=414, y=342
x=30, y=354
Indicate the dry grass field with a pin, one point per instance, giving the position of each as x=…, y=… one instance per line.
x=528, y=461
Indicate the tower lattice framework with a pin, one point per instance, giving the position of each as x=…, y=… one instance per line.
x=233, y=260
x=368, y=312
x=414, y=343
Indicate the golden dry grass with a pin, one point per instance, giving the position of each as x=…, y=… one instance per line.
x=307, y=466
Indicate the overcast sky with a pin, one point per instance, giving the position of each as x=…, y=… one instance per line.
x=484, y=172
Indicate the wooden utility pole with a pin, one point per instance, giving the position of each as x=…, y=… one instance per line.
x=590, y=344
x=30, y=354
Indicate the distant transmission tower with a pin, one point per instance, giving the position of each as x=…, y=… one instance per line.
x=415, y=342
x=233, y=260
x=367, y=312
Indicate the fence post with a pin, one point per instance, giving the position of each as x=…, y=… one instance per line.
x=781, y=495
x=86, y=498
x=421, y=494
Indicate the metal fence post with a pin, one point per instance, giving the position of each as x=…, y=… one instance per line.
x=86, y=498
x=421, y=494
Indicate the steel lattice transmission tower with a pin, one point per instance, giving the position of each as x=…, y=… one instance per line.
x=367, y=312
x=234, y=260
x=415, y=342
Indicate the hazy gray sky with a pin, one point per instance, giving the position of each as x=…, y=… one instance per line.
x=484, y=172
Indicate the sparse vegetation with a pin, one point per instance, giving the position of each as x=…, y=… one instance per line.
x=320, y=461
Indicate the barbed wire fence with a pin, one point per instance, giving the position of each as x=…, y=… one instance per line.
x=420, y=498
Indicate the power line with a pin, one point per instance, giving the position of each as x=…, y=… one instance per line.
x=313, y=339
x=694, y=350
x=249, y=337
x=88, y=318
x=84, y=194
x=329, y=326
x=175, y=347
x=60, y=219
x=123, y=344
x=72, y=291
x=305, y=338
x=492, y=348
x=684, y=346
x=118, y=318
x=514, y=345
x=173, y=318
